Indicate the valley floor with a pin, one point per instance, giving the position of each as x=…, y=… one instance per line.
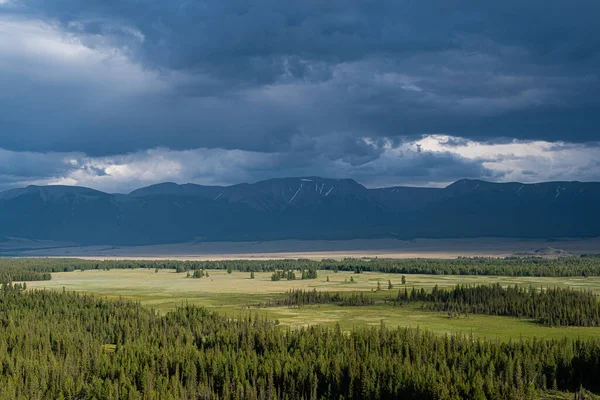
x=231, y=294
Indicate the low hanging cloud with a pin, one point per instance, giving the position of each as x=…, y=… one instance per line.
x=434, y=160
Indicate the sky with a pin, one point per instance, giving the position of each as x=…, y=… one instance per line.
x=119, y=94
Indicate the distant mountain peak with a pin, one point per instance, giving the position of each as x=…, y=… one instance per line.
x=52, y=191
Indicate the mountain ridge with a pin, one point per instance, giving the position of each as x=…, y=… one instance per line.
x=300, y=208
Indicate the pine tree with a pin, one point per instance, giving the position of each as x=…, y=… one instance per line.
x=198, y=274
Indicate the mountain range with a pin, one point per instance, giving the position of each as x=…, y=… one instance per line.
x=300, y=208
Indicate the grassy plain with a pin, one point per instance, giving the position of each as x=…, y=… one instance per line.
x=232, y=293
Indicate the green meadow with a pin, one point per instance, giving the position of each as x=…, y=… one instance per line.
x=236, y=294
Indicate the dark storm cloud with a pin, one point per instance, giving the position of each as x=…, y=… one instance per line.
x=188, y=33
x=310, y=80
x=31, y=166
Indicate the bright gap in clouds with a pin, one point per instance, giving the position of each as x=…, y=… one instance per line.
x=524, y=161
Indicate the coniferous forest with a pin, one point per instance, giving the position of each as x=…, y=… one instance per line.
x=11, y=269
x=552, y=306
x=70, y=346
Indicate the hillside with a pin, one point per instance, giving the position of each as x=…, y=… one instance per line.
x=300, y=208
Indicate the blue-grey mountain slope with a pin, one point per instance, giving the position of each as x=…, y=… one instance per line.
x=300, y=208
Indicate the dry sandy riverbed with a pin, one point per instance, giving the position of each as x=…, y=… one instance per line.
x=319, y=249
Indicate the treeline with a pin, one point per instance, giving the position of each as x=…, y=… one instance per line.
x=66, y=346
x=17, y=273
x=299, y=298
x=550, y=306
x=511, y=266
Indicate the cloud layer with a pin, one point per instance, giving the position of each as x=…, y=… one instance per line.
x=434, y=160
x=213, y=91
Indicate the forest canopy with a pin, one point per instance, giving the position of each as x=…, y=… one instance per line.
x=66, y=345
